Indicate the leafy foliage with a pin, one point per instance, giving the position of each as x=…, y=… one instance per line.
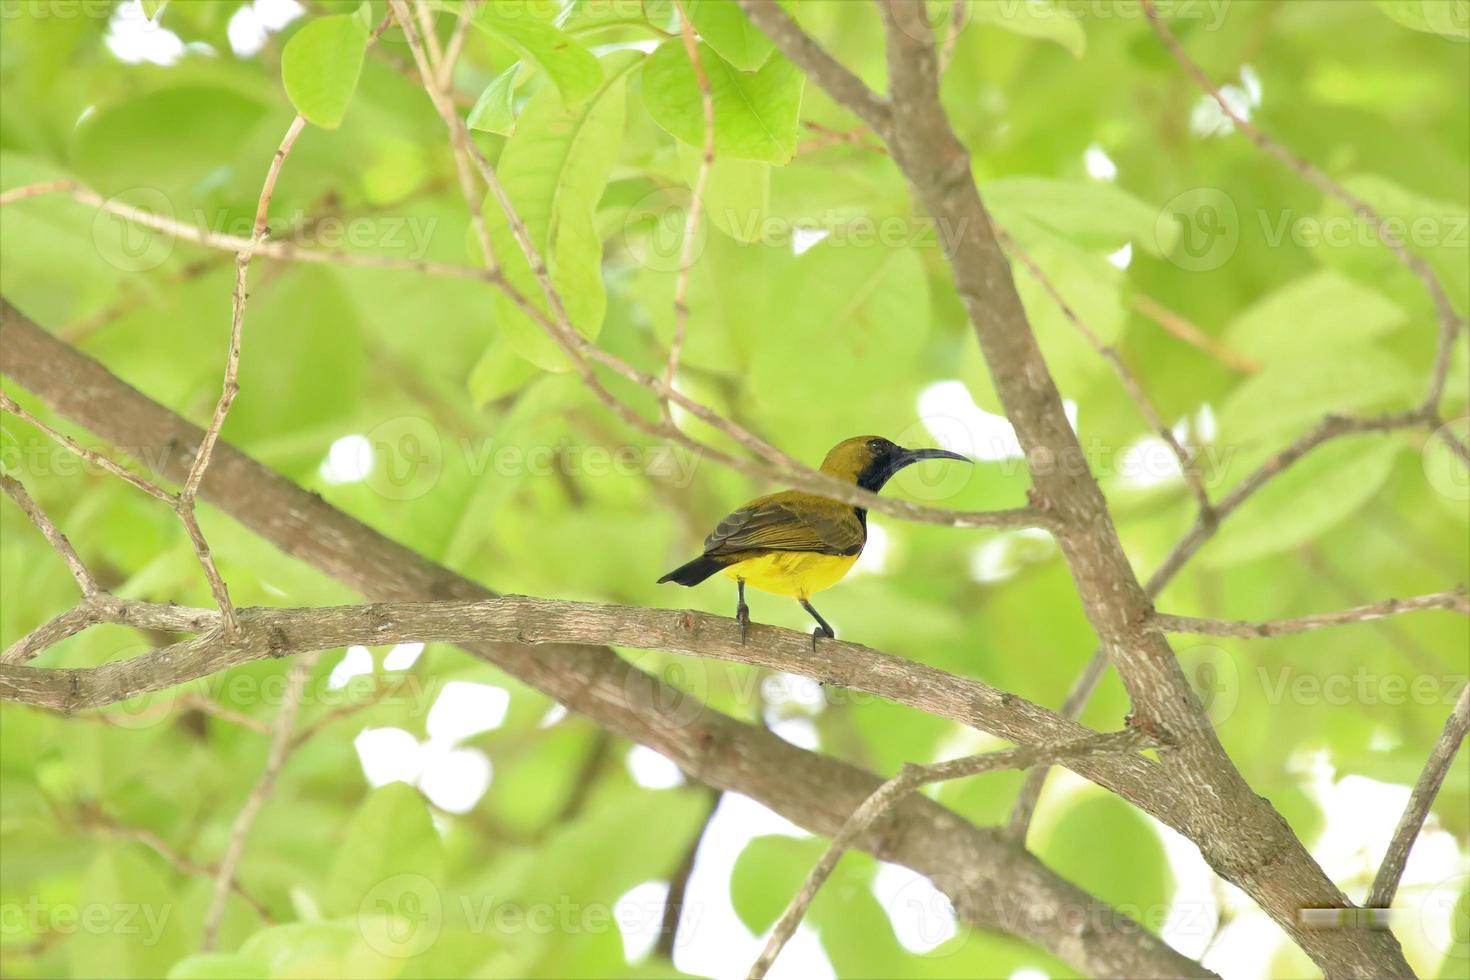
x=436, y=410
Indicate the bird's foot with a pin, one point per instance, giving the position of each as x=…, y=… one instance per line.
x=820, y=632
x=742, y=616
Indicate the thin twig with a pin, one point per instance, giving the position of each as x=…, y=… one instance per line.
x=1386, y=883
x=1453, y=600
x=16, y=491
x=771, y=463
x=1450, y=321
x=668, y=933
x=95, y=819
x=460, y=143
x=281, y=250
x=48, y=634
x=231, y=386
x=275, y=759
x=1192, y=335
x=456, y=44
x=910, y=778
x=1129, y=381
x=91, y=456
x=696, y=202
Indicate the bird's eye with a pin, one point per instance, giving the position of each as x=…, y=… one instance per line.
x=875, y=445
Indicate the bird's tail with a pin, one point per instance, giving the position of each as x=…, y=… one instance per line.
x=696, y=571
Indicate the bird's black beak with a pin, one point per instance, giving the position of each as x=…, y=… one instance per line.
x=910, y=456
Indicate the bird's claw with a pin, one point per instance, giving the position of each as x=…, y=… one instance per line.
x=742, y=616
x=821, y=633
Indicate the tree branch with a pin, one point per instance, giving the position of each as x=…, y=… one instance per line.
x=910, y=778
x=1386, y=883
x=817, y=793
x=16, y=491
x=826, y=71
x=696, y=201
x=280, y=745
x=1453, y=600
x=1450, y=321
x=1238, y=832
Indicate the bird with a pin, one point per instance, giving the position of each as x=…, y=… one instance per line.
x=794, y=543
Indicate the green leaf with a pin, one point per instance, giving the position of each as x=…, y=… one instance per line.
x=1130, y=871
x=318, y=949
x=1040, y=19
x=1436, y=230
x=736, y=195
x=572, y=68
x=320, y=66
x=1447, y=18
x=1321, y=311
x=1310, y=498
x=140, y=935
x=585, y=16
x=494, y=110
x=1091, y=213
x=768, y=872
x=755, y=113
x=498, y=372
x=555, y=168
x=861, y=312
x=1288, y=394
x=391, y=850
x=724, y=26
x=218, y=966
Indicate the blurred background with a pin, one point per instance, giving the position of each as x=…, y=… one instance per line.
x=1247, y=304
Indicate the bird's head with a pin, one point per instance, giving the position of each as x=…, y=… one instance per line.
x=870, y=461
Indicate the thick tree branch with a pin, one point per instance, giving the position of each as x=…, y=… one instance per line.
x=1386, y=883
x=270, y=632
x=1453, y=600
x=1238, y=832
x=970, y=865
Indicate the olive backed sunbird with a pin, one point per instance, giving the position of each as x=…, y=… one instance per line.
x=793, y=543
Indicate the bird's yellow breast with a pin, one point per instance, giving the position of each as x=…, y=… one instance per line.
x=792, y=573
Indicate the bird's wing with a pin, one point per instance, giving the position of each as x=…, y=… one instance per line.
x=785, y=523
